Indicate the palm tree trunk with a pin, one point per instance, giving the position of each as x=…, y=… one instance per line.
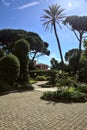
x=58, y=42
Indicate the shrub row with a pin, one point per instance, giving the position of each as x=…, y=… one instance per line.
x=65, y=96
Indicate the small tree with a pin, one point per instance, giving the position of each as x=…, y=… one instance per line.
x=9, y=68
x=21, y=51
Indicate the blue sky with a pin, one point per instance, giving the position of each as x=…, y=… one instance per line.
x=25, y=14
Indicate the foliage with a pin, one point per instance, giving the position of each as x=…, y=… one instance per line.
x=21, y=47
x=55, y=65
x=77, y=24
x=83, y=64
x=21, y=51
x=2, y=53
x=83, y=71
x=23, y=86
x=4, y=86
x=9, y=68
x=40, y=78
x=72, y=56
x=52, y=17
x=32, y=65
x=35, y=73
x=64, y=96
x=66, y=80
x=32, y=81
x=8, y=37
x=82, y=87
x=52, y=74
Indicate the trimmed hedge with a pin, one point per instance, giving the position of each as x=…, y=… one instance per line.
x=4, y=86
x=40, y=78
x=35, y=73
x=48, y=73
x=9, y=68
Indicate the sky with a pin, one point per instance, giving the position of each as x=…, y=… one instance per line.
x=26, y=15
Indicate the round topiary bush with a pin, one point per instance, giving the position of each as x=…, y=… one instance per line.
x=9, y=68
x=21, y=47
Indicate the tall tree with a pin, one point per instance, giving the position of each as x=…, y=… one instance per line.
x=72, y=56
x=37, y=46
x=52, y=17
x=9, y=36
x=77, y=24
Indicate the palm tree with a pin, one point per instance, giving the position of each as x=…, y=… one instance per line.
x=52, y=17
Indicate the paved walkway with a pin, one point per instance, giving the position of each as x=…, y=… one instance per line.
x=38, y=88
x=26, y=111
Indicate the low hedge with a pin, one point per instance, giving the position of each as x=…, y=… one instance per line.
x=35, y=73
x=65, y=96
x=82, y=87
x=40, y=78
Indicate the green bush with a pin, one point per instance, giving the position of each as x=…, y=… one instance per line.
x=82, y=87
x=21, y=47
x=65, y=96
x=52, y=74
x=4, y=86
x=23, y=87
x=40, y=78
x=21, y=51
x=35, y=73
x=9, y=68
x=65, y=79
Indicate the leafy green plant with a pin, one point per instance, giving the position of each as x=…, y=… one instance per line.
x=40, y=78
x=35, y=73
x=21, y=51
x=4, y=86
x=66, y=80
x=9, y=68
x=52, y=75
x=69, y=95
x=82, y=87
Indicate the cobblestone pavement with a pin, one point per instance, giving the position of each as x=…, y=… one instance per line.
x=39, y=88
x=26, y=111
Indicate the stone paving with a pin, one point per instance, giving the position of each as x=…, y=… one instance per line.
x=26, y=111
x=38, y=88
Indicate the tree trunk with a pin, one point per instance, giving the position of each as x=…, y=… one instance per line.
x=58, y=42
x=80, y=42
x=34, y=57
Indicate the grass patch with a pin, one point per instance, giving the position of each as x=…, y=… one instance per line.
x=32, y=81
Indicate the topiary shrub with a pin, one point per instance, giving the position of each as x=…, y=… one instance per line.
x=21, y=51
x=52, y=74
x=4, y=86
x=21, y=47
x=9, y=68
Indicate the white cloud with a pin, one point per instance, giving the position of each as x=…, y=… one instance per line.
x=28, y=5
